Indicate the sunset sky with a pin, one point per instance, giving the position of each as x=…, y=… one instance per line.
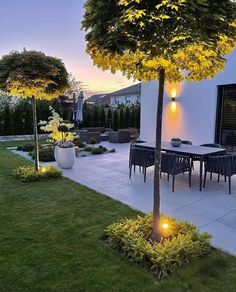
x=54, y=27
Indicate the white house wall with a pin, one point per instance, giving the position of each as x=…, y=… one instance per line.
x=195, y=115
x=126, y=100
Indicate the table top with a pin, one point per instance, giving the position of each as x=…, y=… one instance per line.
x=186, y=149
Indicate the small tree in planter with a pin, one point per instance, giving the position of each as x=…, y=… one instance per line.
x=32, y=74
x=58, y=130
x=160, y=40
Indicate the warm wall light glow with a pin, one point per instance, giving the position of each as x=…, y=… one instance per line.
x=173, y=89
x=174, y=121
x=173, y=106
x=173, y=92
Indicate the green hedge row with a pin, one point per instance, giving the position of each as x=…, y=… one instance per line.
x=17, y=119
x=118, y=118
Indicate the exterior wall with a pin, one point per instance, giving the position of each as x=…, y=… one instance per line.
x=195, y=114
x=126, y=100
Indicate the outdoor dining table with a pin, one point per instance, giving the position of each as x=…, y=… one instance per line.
x=201, y=152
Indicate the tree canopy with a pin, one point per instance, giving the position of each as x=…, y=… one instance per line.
x=188, y=38
x=32, y=74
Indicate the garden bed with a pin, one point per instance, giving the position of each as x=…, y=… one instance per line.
x=181, y=242
x=46, y=151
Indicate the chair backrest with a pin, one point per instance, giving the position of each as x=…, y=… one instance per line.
x=222, y=164
x=167, y=162
x=141, y=156
x=136, y=141
x=213, y=145
x=174, y=163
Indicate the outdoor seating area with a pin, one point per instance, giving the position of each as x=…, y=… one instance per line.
x=176, y=160
x=212, y=209
x=105, y=134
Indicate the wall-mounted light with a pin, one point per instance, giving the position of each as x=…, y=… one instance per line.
x=173, y=91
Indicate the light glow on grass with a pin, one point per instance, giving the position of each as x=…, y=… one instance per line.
x=165, y=226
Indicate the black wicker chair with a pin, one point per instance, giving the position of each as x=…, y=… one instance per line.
x=224, y=165
x=196, y=158
x=141, y=157
x=173, y=164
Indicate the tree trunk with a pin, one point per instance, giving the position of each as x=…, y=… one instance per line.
x=35, y=127
x=156, y=236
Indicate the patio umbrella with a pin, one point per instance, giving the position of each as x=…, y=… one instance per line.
x=78, y=112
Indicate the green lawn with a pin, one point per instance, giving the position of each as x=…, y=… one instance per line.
x=50, y=240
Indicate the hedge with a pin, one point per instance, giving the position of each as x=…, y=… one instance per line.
x=17, y=120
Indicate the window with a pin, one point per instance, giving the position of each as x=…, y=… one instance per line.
x=226, y=117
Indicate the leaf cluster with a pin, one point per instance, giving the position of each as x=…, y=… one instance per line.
x=32, y=73
x=188, y=38
x=29, y=174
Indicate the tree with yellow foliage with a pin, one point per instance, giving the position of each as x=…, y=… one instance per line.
x=165, y=40
x=32, y=74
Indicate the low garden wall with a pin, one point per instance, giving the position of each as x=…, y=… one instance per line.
x=21, y=137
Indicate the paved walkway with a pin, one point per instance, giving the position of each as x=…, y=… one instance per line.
x=213, y=209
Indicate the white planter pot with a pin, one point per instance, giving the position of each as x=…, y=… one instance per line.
x=56, y=149
x=66, y=157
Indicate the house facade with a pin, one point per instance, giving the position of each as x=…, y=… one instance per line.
x=128, y=96
x=202, y=112
x=99, y=99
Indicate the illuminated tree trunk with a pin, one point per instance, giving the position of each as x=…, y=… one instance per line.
x=35, y=127
x=157, y=170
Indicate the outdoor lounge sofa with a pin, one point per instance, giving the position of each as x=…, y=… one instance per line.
x=103, y=132
x=122, y=136
x=85, y=136
x=97, y=133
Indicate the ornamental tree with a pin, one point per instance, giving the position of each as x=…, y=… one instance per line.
x=165, y=40
x=32, y=74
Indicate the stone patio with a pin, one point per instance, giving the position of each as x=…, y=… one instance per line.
x=213, y=209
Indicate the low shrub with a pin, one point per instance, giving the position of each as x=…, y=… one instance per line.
x=46, y=146
x=46, y=154
x=97, y=151
x=183, y=243
x=78, y=142
x=92, y=141
x=28, y=174
x=103, y=148
x=26, y=148
x=88, y=149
